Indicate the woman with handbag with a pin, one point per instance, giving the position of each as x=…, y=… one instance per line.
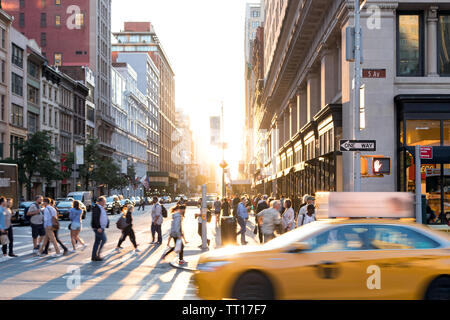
x=9, y=229
x=50, y=223
x=176, y=232
x=75, y=216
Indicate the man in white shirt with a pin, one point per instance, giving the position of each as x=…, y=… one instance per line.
x=49, y=216
x=157, y=220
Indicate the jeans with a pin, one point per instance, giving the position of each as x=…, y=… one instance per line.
x=100, y=239
x=243, y=224
x=156, y=228
x=128, y=232
x=10, y=246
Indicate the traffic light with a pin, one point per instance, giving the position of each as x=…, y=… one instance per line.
x=381, y=166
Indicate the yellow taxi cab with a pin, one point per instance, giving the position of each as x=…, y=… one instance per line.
x=333, y=259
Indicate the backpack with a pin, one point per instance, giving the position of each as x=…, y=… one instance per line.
x=26, y=217
x=164, y=211
x=122, y=223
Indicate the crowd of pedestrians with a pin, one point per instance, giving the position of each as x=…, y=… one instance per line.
x=272, y=217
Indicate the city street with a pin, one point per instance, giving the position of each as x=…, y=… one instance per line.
x=120, y=276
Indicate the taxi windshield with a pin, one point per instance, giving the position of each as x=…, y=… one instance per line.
x=299, y=234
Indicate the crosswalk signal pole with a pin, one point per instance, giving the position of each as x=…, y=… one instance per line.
x=357, y=95
x=204, y=219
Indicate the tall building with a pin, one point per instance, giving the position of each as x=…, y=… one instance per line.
x=254, y=19
x=141, y=37
x=185, y=148
x=307, y=102
x=5, y=82
x=130, y=111
x=75, y=33
x=147, y=82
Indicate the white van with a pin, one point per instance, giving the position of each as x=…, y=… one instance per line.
x=83, y=196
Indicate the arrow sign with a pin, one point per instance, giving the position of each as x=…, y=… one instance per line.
x=358, y=145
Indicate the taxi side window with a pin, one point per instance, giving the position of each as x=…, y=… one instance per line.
x=395, y=237
x=342, y=238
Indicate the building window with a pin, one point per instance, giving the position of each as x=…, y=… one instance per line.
x=22, y=20
x=33, y=123
x=79, y=20
x=58, y=2
x=423, y=132
x=43, y=39
x=58, y=59
x=444, y=44
x=44, y=114
x=14, y=142
x=17, y=56
x=43, y=20
x=17, y=84
x=410, y=45
x=3, y=38
x=43, y=3
x=33, y=95
x=3, y=107
x=3, y=71
x=58, y=21
x=16, y=115
x=22, y=4
x=33, y=69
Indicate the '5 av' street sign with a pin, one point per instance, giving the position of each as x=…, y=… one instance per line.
x=358, y=145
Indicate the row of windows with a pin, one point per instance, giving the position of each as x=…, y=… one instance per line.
x=78, y=23
x=43, y=3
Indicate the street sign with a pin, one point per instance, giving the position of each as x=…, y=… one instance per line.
x=426, y=153
x=358, y=145
x=374, y=73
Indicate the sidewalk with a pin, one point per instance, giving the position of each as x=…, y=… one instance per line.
x=192, y=252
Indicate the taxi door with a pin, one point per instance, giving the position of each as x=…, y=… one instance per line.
x=330, y=269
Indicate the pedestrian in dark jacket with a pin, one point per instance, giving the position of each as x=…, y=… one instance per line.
x=99, y=225
x=128, y=230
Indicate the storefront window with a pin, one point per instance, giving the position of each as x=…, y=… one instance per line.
x=423, y=132
x=446, y=133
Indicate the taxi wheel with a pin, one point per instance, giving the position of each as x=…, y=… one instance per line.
x=253, y=286
x=439, y=289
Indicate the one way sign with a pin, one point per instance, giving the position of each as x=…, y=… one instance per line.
x=358, y=145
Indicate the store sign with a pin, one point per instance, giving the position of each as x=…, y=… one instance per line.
x=426, y=153
x=374, y=73
x=5, y=182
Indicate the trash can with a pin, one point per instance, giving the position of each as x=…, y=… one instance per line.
x=228, y=231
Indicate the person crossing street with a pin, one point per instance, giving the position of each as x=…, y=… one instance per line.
x=157, y=220
x=99, y=224
x=242, y=216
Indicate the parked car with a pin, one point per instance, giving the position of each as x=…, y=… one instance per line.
x=210, y=199
x=83, y=196
x=113, y=205
x=63, y=209
x=133, y=201
x=166, y=199
x=19, y=216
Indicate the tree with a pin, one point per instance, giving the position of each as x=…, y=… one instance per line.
x=34, y=157
x=91, y=159
x=107, y=172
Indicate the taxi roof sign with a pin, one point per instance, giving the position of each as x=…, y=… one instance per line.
x=364, y=205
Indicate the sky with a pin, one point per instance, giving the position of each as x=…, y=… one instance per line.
x=204, y=41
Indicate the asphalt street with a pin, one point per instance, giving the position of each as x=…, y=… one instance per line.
x=124, y=275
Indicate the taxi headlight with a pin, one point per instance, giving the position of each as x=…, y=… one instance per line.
x=211, y=266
